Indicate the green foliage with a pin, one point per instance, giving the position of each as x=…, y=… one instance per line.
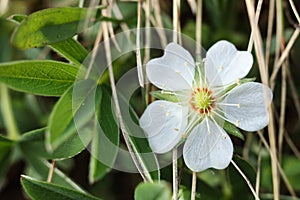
x=105, y=144
x=165, y=95
x=42, y=190
x=140, y=143
x=61, y=124
x=71, y=49
x=244, y=80
x=50, y=26
x=45, y=77
x=152, y=191
x=291, y=168
x=233, y=130
x=32, y=146
x=70, y=114
x=238, y=184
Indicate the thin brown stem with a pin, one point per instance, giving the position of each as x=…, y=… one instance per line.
x=175, y=174
x=293, y=91
x=295, y=11
x=257, y=14
x=282, y=111
x=269, y=32
x=273, y=156
x=51, y=171
x=138, y=46
x=257, y=182
x=291, y=144
x=135, y=157
x=246, y=179
x=198, y=29
x=194, y=184
x=282, y=58
x=262, y=69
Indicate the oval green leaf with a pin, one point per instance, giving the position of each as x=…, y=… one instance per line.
x=49, y=26
x=61, y=124
x=47, y=78
x=71, y=49
x=105, y=144
x=34, y=142
x=233, y=130
x=152, y=191
x=165, y=95
x=49, y=191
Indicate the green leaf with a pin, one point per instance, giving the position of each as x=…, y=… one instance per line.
x=291, y=166
x=138, y=139
x=17, y=18
x=49, y=26
x=49, y=191
x=165, y=95
x=184, y=193
x=233, y=130
x=244, y=80
x=61, y=122
x=152, y=191
x=33, y=143
x=5, y=146
x=47, y=78
x=204, y=189
x=41, y=167
x=71, y=49
x=105, y=144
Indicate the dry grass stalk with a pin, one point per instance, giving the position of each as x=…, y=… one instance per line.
x=194, y=183
x=176, y=21
x=281, y=172
x=291, y=145
x=269, y=33
x=147, y=30
x=258, y=172
x=198, y=29
x=295, y=11
x=262, y=68
x=246, y=179
x=283, y=56
x=135, y=157
x=138, y=45
x=158, y=23
x=257, y=14
x=118, y=14
x=193, y=6
x=293, y=91
x=282, y=111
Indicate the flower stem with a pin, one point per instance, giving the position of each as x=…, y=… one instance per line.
x=7, y=113
x=175, y=175
x=194, y=184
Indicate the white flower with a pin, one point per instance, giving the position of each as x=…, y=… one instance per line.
x=204, y=102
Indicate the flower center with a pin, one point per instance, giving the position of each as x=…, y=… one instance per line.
x=202, y=100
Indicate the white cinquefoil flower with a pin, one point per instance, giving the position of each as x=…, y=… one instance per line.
x=205, y=100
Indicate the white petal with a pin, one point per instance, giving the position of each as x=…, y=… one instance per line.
x=174, y=70
x=252, y=98
x=207, y=146
x=229, y=63
x=164, y=123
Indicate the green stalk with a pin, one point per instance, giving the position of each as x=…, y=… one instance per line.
x=7, y=113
